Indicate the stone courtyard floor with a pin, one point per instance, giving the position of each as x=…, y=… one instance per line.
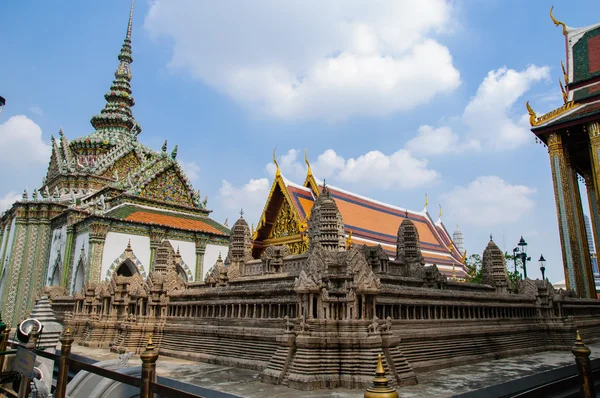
x=439, y=383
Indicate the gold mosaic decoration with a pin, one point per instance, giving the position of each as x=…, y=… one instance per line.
x=124, y=166
x=285, y=223
x=167, y=187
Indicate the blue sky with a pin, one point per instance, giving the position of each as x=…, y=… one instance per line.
x=392, y=99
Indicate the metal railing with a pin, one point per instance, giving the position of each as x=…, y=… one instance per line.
x=147, y=382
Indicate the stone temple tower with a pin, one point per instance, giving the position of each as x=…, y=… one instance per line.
x=240, y=241
x=325, y=225
x=493, y=264
x=408, y=249
x=459, y=240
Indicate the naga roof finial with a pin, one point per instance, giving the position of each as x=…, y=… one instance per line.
x=565, y=74
x=563, y=91
x=309, y=172
x=532, y=115
x=556, y=22
x=440, y=215
x=277, y=171
x=426, y=200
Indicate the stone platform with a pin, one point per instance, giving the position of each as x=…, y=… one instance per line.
x=439, y=383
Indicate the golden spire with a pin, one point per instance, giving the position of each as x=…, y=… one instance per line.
x=565, y=74
x=381, y=385
x=277, y=171
x=564, y=93
x=309, y=172
x=556, y=22
x=532, y=115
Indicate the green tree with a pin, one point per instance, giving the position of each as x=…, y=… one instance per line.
x=512, y=269
x=474, y=270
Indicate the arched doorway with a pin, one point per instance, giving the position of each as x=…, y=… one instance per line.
x=182, y=273
x=127, y=268
x=54, y=279
x=79, y=276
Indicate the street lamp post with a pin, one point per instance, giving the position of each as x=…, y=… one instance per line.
x=542, y=261
x=2, y=103
x=521, y=251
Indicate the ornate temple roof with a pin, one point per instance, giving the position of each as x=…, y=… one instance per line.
x=581, y=91
x=366, y=221
x=168, y=219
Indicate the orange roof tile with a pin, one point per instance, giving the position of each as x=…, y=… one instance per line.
x=173, y=221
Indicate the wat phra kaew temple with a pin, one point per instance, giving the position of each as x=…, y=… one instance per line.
x=328, y=280
x=108, y=205
x=572, y=135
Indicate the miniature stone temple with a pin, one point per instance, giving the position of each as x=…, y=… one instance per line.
x=108, y=205
x=321, y=318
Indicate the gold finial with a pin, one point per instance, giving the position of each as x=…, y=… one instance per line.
x=532, y=115
x=309, y=172
x=381, y=385
x=277, y=171
x=68, y=331
x=149, y=341
x=464, y=257
x=564, y=93
x=556, y=22
x=128, y=37
x=451, y=247
x=565, y=74
x=426, y=200
x=440, y=215
x=349, y=241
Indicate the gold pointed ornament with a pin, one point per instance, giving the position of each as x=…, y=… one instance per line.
x=381, y=387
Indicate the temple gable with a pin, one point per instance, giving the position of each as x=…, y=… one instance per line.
x=123, y=167
x=168, y=186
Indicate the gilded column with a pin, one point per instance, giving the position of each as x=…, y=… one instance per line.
x=97, y=238
x=156, y=238
x=592, y=195
x=67, y=266
x=201, y=242
x=576, y=257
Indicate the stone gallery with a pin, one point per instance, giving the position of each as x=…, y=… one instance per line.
x=319, y=319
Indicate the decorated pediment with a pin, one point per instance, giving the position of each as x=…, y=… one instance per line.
x=169, y=186
x=123, y=167
x=285, y=222
x=54, y=166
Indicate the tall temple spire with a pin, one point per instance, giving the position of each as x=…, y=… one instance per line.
x=116, y=122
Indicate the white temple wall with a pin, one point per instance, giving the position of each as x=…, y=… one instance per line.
x=211, y=255
x=187, y=250
x=116, y=243
x=81, y=241
x=57, y=247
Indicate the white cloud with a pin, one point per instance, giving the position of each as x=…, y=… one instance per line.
x=399, y=170
x=8, y=199
x=312, y=59
x=435, y=141
x=21, y=142
x=192, y=170
x=488, y=114
x=489, y=201
x=251, y=197
x=488, y=119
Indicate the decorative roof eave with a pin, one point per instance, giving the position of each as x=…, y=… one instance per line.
x=562, y=111
x=278, y=182
x=126, y=198
x=563, y=121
